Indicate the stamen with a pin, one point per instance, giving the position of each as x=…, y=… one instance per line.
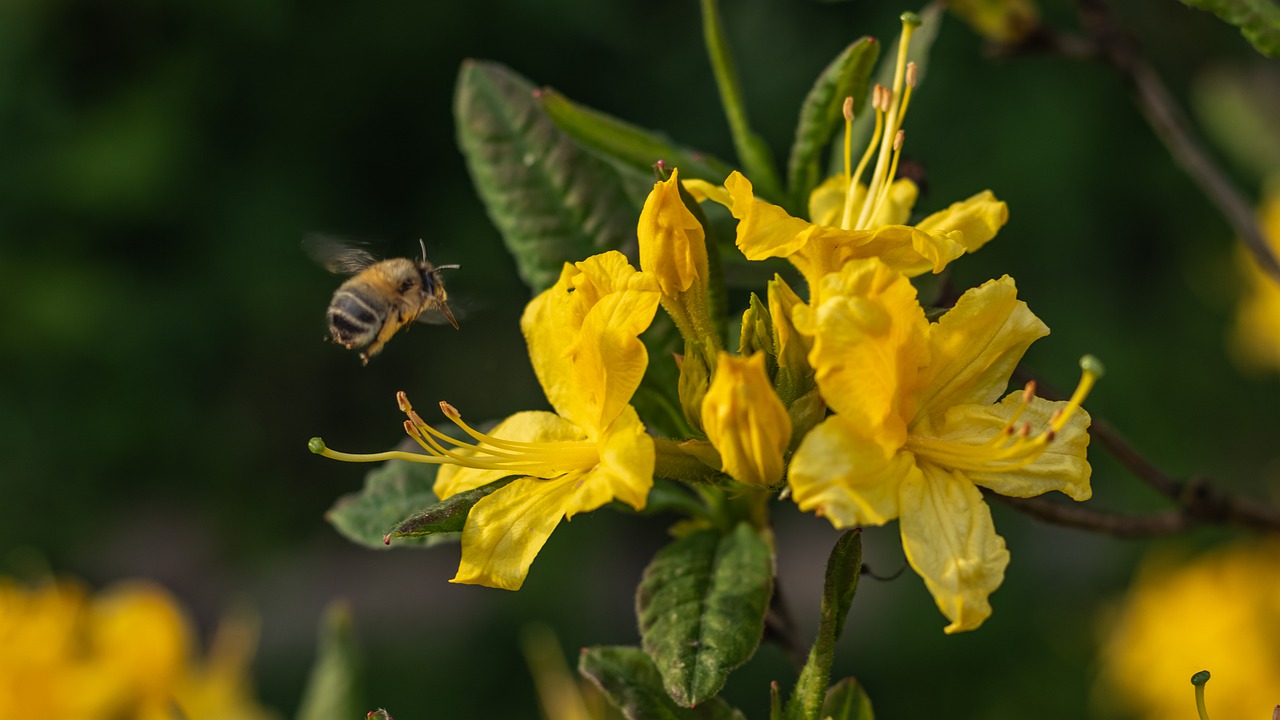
x=536, y=459
x=1013, y=447
x=878, y=94
x=847, y=110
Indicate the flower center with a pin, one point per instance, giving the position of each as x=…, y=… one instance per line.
x=891, y=108
x=1014, y=446
x=484, y=452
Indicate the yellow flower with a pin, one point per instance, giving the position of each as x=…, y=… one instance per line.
x=745, y=421
x=1256, y=336
x=127, y=653
x=916, y=432
x=673, y=248
x=1219, y=612
x=583, y=342
x=848, y=219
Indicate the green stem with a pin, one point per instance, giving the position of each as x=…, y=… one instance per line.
x=675, y=460
x=752, y=152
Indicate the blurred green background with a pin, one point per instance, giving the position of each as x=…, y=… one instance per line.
x=164, y=360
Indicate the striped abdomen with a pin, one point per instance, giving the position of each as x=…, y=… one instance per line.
x=356, y=315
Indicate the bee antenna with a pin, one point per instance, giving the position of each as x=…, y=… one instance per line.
x=448, y=267
x=423, y=246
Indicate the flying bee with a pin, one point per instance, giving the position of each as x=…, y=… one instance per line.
x=381, y=296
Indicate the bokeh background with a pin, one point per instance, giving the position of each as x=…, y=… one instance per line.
x=164, y=360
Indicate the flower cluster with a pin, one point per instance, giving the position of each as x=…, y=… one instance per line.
x=125, y=653
x=852, y=401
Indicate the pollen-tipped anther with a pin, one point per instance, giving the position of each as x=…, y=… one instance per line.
x=1029, y=392
x=847, y=108
x=450, y=411
x=898, y=139
x=913, y=75
x=402, y=402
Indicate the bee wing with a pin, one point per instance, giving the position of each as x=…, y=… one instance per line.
x=337, y=255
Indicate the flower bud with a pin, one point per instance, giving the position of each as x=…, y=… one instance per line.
x=745, y=420
x=673, y=248
x=794, y=377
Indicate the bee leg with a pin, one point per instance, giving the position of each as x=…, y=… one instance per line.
x=444, y=308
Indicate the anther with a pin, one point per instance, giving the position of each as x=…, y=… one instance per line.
x=1057, y=414
x=913, y=75
x=1024, y=430
x=1050, y=435
x=410, y=429
x=847, y=108
x=1029, y=392
x=449, y=410
x=402, y=401
x=416, y=419
x=898, y=139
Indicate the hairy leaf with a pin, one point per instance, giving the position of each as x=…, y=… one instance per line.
x=847, y=701
x=701, y=606
x=822, y=113
x=628, y=144
x=1258, y=20
x=446, y=516
x=553, y=201
x=392, y=492
x=628, y=678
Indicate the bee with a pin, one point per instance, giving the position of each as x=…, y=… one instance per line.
x=381, y=296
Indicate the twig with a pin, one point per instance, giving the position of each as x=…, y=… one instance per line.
x=1173, y=129
x=1153, y=98
x=1198, y=501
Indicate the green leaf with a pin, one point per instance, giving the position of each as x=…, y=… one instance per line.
x=1258, y=20
x=446, y=516
x=918, y=53
x=822, y=113
x=632, y=146
x=629, y=679
x=839, y=586
x=553, y=201
x=847, y=701
x=701, y=606
x=392, y=492
x=333, y=688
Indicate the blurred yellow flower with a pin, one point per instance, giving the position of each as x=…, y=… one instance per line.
x=125, y=654
x=1002, y=21
x=920, y=425
x=1255, y=338
x=1219, y=612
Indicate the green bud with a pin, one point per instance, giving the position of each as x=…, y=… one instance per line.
x=695, y=378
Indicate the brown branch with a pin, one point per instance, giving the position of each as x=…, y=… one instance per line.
x=1083, y=517
x=1197, y=500
x=1106, y=41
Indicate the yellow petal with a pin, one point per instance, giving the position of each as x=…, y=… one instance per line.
x=846, y=477
x=531, y=426
x=827, y=201
x=869, y=344
x=745, y=421
x=908, y=250
x=950, y=541
x=672, y=243
x=505, y=530
x=701, y=190
x=975, y=348
x=1062, y=466
x=582, y=337
x=977, y=219
x=764, y=230
x=626, y=460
